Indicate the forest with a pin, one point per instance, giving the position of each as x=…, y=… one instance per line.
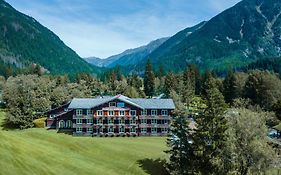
x=232, y=114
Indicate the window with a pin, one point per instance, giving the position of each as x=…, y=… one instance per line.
x=144, y=112
x=153, y=112
x=111, y=121
x=79, y=112
x=153, y=130
x=121, y=121
x=99, y=113
x=133, y=121
x=133, y=129
x=61, y=124
x=121, y=113
x=120, y=104
x=143, y=121
x=153, y=121
x=111, y=113
x=164, y=129
x=133, y=112
x=78, y=129
x=79, y=121
x=68, y=124
x=110, y=129
x=89, y=112
x=121, y=129
x=89, y=129
x=100, y=121
x=164, y=112
x=89, y=121
x=112, y=104
x=143, y=130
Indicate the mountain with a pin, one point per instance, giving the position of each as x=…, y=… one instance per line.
x=24, y=41
x=95, y=61
x=128, y=57
x=240, y=35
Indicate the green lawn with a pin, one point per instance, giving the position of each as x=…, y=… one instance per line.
x=41, y=151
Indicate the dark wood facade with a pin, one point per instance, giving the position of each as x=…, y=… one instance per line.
x=113, y=118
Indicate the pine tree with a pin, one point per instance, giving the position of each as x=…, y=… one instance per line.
x=189, y=84
x=210, y=136
x=180, y=159
x=149, y=79
x=230, y=91
x=169, y=84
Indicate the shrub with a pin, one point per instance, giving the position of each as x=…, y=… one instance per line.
x=39, y=123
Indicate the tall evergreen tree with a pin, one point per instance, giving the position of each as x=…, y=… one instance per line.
x=210, y=136
x=189, y=82
x=230, y=90
x=169, y=84
x=149, y=79
x=180, y=159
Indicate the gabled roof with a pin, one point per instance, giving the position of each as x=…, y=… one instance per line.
x=87, y=103
x=154, y=103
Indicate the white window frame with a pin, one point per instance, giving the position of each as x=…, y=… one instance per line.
x=123, y=130
x=134, y=111
x=165, y=112
x=79, y=112
x=153, y=112
x=110, y=112
x=164, y=130
x=68, y=124
x=153, y=129
x=91, y=121
x=110, y=130
x=143, y=130
x=61, y=124
x=133, y=130
x=89, y=112
x=89, y=129
x=99, y=113
x=79, y=129
x=110, y=104
x=133, y=121
x=143, y=121
x=153, y=121
x=78, y=121
x=143, y=112
x=122, y=114
x=121, y=121
x=100, y=121
x=109, y=121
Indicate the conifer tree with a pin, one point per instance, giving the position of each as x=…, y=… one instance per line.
x=169, y=84
x=210, y=136
x=180, y=159
x=230, y=87
x=149, y=79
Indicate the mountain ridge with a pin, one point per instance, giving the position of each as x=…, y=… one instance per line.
x=129, y=56
x=24, y=41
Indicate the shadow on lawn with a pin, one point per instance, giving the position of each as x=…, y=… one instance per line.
x=65, y=131
x=153, y=167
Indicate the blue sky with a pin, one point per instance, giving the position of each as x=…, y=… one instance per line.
x=106, y=27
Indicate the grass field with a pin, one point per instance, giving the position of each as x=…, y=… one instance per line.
x=41, y=151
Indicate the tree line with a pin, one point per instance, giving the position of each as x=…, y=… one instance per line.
x=231, y=115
